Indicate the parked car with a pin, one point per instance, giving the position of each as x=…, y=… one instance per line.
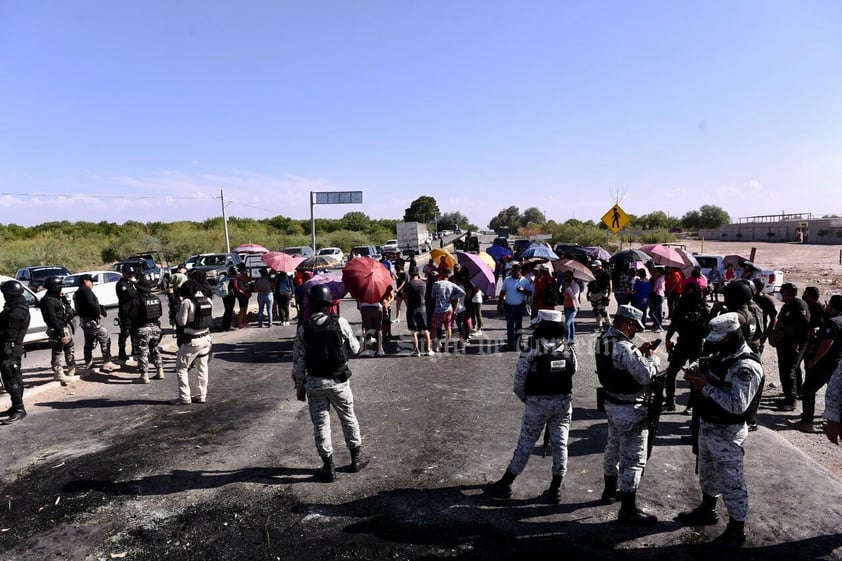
x=365, y=251
x=334, y=252
x=146, y=264
x=105, y=286
x=33, y=277
x=215, y=263
x=772, y=278
x=304, y=251
x=37, y=331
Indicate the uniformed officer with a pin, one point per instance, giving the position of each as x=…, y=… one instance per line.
x=91, y=313
x=320, y=372
x=544, y=382
x=822, y=361
x=626, y=372
x=195, y=316
x=14, y=321
x=126, y=295
x=727, y=381
x=145, y=318
x=689, y=321
x=58, y=315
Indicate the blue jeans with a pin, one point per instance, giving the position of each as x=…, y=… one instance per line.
x=514, y=323
x=570, y=323
x=264, y=301
x=622, y=298
x=643, y=306
x=656, y=310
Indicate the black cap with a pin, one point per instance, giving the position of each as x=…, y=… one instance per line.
x=86, y=277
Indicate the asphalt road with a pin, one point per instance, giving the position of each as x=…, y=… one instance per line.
x=107, y=468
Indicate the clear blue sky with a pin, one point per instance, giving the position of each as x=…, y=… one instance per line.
x=150, y=108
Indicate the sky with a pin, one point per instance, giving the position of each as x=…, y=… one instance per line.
x=149, y=111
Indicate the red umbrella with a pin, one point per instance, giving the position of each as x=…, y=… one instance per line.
x=250, y=248
x=280, y=261
x=366, y=279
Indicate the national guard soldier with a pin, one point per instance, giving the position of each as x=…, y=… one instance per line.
x=91, y=313
x=145, y=317
x=126, y=295
x=320, y=372
x=544, y=382
x=14, y=321
x=833, y=406
x=196, y=317
x=727, y=381
x=58, y=315
x=626, y=373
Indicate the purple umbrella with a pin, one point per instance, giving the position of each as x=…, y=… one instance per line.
x=331, y=280
x=479, y=272
x=597, y=252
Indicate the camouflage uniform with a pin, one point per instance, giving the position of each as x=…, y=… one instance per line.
x=627, y=414
x=146, y=346
x=721, y=443
x=833, y=397
x=96, y=334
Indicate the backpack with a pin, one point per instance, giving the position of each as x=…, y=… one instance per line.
x=221, y=288
x=756, y=318
x=203, y=313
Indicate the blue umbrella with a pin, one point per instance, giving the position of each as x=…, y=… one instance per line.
x=498, y=252
x=539, y=251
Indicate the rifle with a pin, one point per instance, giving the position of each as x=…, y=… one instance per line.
x=654, y=402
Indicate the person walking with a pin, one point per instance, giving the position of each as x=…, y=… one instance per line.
x=126, y=295
x=727, y=383
x=514, y=294
x=625, y=372
x=265, y=297
x=14, y=321
x=58, y=315
x=444, y=294
x=91, y=313
x=196, y=317
x=146, y=318
x=822, y=362
x=320, y=373
x=689, y=322
x=543, y=381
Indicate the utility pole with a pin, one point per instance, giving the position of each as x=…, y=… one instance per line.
x=225, y=222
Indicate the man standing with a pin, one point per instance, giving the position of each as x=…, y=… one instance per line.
x=514, y=294
x=767, y=306
x=196, y=317
x=689, y=321
x=416, y=315
x=822, y=362
x=444, y=293
x=727, y=383
x=792, y=333
x=320, y=373
x=145, y=317
x=14, y=321
x=90, y=315
x=599, y=294
x=544, y=383
x=58, y=315
x=126, y=295
x=626, y=372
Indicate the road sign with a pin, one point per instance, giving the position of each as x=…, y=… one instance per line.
x=616, y=219
x=337, y=197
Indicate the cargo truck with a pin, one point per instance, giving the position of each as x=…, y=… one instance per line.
x=413, y=236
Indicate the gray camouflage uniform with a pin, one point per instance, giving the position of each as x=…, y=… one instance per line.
x=833, y=397
x=628, y=422
x=541, y=410
x=147, y=345
x=721, y=445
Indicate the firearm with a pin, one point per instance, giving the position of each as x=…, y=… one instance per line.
x=654, y=403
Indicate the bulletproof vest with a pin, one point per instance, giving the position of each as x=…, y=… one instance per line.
x=326, y=355
x=834, y=353
x=149, y=308
x=202, y=313
x=753, y=327
x=14, y=321
x=716, y=370
x=551, y=373
x=614, y=379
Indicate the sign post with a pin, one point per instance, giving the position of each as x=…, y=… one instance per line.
x=330, y=198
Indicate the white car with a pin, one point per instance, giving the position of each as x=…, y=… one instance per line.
x=37, y=327
x=105, y=286
x=390, y=246
x=334, y=252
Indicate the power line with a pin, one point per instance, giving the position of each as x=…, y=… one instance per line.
x=72, y=195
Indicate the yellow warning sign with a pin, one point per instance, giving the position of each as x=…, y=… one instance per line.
x=616, y=219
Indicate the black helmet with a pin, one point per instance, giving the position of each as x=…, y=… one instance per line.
x=319, y=296
x=127, y=269
x=52, y=284
x=12, y=288
x=737, y=293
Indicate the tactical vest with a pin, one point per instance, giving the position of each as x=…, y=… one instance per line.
x=326, y=354
x=711, y=411
x=615, y=380
x=149, y=309
x=551, y=373
x=202, y=314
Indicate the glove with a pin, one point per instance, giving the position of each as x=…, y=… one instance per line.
x=301, y=394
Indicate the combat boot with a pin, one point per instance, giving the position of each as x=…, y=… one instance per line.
x=326, y=473
x=7, y=412
x=357, y=461
x=17, y=415
x=160, y=374
x=110, y=366
x=60, y=377
x=630, y=514
x=502, y=488
x=554, y=492
x=144, y=378
x=610, y=492
x=703, y=515
x=734, y=536
x=71, y=372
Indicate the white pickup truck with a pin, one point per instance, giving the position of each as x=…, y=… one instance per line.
x=772, y=278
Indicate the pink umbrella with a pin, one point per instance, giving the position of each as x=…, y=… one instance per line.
x=250, y=248
x=280, y=261
x=479, y=273
x=663, y=255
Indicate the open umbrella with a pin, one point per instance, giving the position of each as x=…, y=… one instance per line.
x=664, y=255
x=280, y=261
x=540, y=251
x=319, y=262
x=437, y=254
x=332, y=280
x=479, y=272
x=487, y=259
x=597, y=252
x=366, y=279
x=498, y=251
x=689, y=260
x=579, y=270
x=250, y=248
x=628, y=255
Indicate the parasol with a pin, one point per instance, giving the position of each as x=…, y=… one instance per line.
x=280, y=261
x=487, y=259
x=498, y=252
x=663, y=255
x=332, y=280
x=366, y=279
x=479, y=273
x=539, y=251
x=579, y=270
x=437, y=254
x=597, y=252
x=319, y=262
x=250, y=248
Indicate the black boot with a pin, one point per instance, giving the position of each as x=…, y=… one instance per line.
x=7, y=412
x=326, y=474
x=18, y=415
x=630, y=514
x=502, y=488
x=610, y=492
x=734, y=536
x=554, y=492
x=703, y=515
x=14, y=385
x=357, y=461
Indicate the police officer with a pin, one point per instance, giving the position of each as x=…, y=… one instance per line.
x=14, y=321
x=792, y=330
x=58, y=315
x=196, y=317
x=320, y=372
x=822, y=361
x=689, y=321
x=145, y=317
x=625, y=372
x=91, y=313
x=126, y=296
x=727, y=382
x=544, y=382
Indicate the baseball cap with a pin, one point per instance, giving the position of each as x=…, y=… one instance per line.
x=86, y=277
x=554, y=316
x=722, y=326
x=630, y=312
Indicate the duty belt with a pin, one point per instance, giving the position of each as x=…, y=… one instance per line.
x=197, y=335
